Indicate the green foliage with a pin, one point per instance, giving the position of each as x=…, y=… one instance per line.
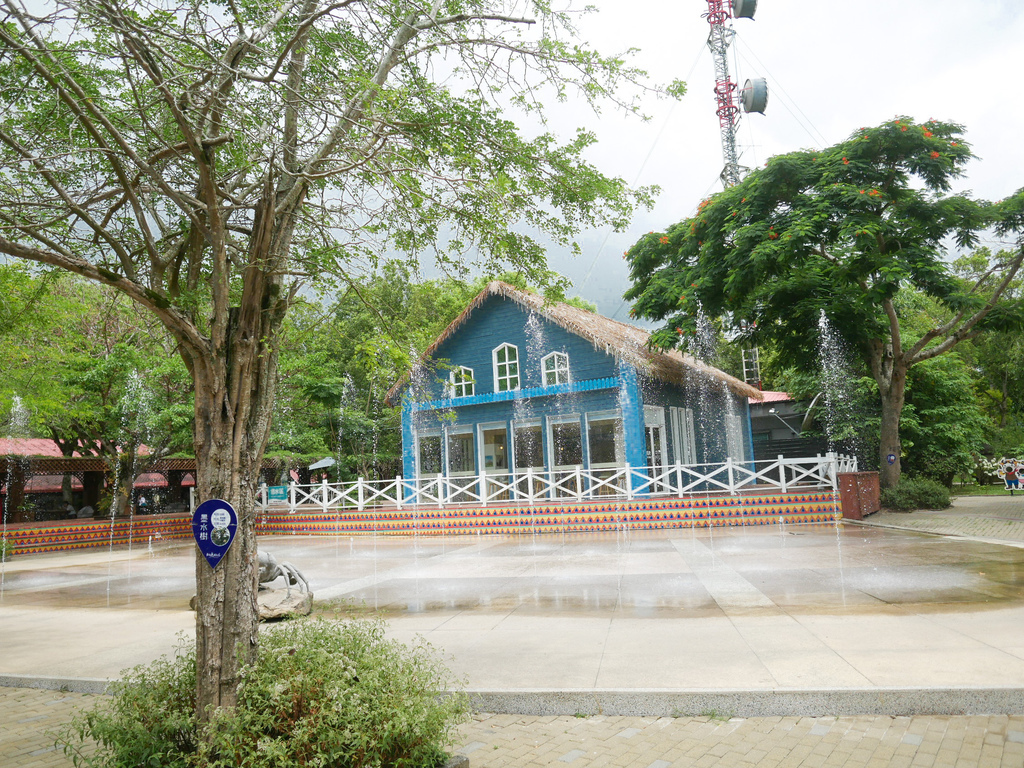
x=943, y=426
x=321, y=693
x=856, y=233
x=838, y=231
x=338, y=361
x=97, y=376
x=916, y=493
x=149, y=720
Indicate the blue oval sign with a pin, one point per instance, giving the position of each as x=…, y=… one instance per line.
x=213, y=526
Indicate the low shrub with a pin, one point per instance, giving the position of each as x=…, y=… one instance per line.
x=322, y=693
x=148, y=720
x=916, y=493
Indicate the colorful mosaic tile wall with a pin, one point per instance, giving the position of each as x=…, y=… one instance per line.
x=714, y=511
x=793, y=508
x=66, y=536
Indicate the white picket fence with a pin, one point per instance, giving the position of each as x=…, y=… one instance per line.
x=533, y=487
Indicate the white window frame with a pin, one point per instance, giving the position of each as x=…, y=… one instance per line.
x=567, y=418
x=498, y=378
x=735, y=444
x=560, y=369
x=620, y=438
x=684, y=443
x=458, y=432
x=461, y=379
x=430, y=433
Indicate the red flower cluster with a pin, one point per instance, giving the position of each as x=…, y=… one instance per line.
x=663, y=240
x=935, y=155
x=845, y=161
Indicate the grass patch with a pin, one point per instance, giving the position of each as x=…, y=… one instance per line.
x=995, y=489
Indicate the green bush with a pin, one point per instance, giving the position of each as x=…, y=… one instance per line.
x=149, y=719
x=916, y=493
x=322, y=693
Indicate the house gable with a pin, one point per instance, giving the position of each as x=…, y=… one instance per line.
x=502, y=321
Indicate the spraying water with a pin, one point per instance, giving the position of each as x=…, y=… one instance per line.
x=839, y=419
x=17, y=427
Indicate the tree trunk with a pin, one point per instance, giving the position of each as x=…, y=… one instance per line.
x=892, y=394
x=228, y=459
x=226, y=612
x=234, y=396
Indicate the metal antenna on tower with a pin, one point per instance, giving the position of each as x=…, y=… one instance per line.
x=753, y=98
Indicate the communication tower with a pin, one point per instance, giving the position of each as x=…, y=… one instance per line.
x=753, y=97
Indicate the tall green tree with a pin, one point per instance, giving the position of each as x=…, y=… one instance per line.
x=943, y=425
x=96, y=375
x=998, y=362
x=208, y=158
x=840, y=233
x=339, y=360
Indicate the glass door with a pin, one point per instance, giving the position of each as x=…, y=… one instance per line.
x=566, y=441
x=461, y=464
x=607, y=454
x=494, y=449
x=528, y=453
x=683, y=439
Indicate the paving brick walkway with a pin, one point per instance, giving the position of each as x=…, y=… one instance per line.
x=769, y=742
x=29, y=721
x=31, y=718
x=990, y=518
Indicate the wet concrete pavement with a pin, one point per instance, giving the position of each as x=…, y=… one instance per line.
x=769, y=609
x=725, y=625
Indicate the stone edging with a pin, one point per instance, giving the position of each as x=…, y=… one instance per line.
x=736, y=703
x=688, y=703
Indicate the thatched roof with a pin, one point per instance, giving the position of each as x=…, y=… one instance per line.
x=623, y=341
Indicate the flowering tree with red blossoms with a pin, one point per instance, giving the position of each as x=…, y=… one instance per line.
x=839, y=231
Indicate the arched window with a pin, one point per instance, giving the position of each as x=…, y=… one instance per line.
x=460, y=382
x=506, y=368
x=555, y=368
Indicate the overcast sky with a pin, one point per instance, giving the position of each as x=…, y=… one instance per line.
x=831, y=67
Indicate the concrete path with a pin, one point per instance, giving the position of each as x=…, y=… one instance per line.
x=751, y=634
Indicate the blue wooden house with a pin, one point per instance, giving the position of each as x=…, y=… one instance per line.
x=515, y=387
